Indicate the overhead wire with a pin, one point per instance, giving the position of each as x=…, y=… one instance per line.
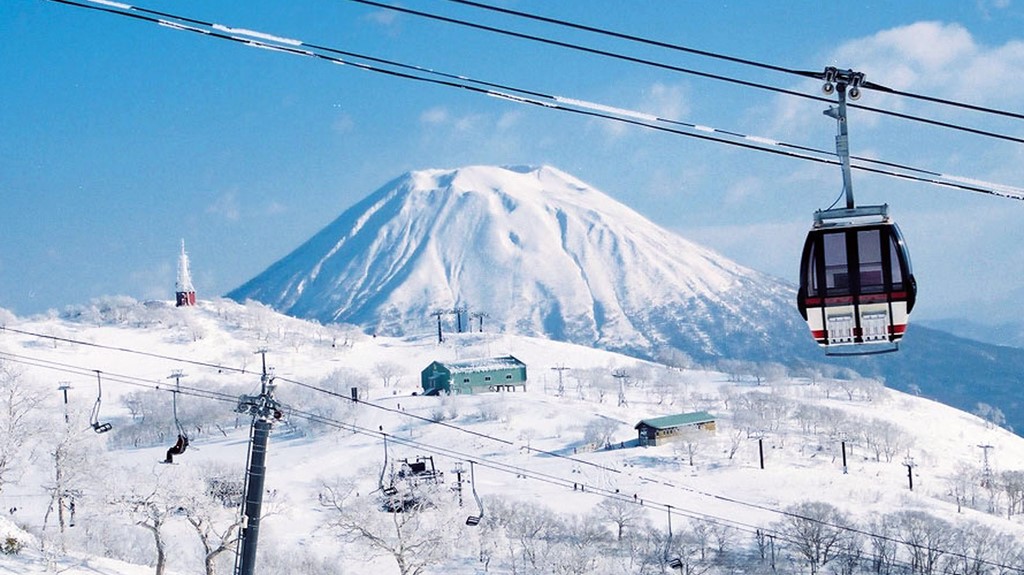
x=535, y=98
x=295, y=51
x=501, y=467
x=460, y=455
x=728, y=58
x=690, y=71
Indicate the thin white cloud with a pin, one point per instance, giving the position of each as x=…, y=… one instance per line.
x=435, y=116
x=386, y=18
x=274, y=208
x=440, y=117
x=156, y=282
x=667, y=101
x=343, y=123
x=939, y=59
x=226, y=206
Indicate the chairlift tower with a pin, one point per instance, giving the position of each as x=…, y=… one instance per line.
x=265, y=410
x=458, y=311
x=561, y=385
x=622, y=376
x=64, y=387
x=986, y=471
x=479, y=315
x=438, y=314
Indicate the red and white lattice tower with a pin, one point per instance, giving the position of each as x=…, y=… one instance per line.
x=185, y=294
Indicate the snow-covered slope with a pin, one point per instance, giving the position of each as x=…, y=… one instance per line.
x=542, y=254
x=533, y=448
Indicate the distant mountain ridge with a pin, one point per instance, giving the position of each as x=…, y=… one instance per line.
x=537, y=250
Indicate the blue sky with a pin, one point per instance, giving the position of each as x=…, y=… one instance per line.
x=118, y=137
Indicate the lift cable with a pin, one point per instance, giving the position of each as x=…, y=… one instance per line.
x=352, y=427
x=496, y=465
x=728, y=58
x=690, y=71
x=296, y=47
x=611, y=493
x=501, y=467
x=71, y=369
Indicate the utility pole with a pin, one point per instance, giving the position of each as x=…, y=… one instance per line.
x=909, y=462
x=265, y=410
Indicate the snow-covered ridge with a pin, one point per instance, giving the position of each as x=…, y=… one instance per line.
x=711, y=480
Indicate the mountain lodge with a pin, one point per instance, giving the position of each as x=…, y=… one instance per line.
x=661, y=430
x=474, y=376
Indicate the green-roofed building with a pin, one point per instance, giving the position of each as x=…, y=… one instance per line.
x=660, y=430
x=474, y=376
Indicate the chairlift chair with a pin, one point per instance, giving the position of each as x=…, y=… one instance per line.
x=474, y=520
x=94, y=418
x=181, y=443
x=389, y=491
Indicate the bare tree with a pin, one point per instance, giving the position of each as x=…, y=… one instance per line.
x=963, y=485
x=530, y=530
x=1012, y=483
x=211, y=508
x=818, y=531
x=993, y=416
x=420, y=535
x=686, y=551
x=886, y=439
x=389, y=372
x=883, y=545
x=70, y=460
x=18, y=421
x=925, y=537
x=625, y=515
x=151, y=505
x=572, y=550
x=688, y=443
x=599, y=432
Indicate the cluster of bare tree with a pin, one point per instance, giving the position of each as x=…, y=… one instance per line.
x=618, y=536
x=819, y=536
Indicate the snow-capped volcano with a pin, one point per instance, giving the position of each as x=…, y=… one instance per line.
x=537, y=250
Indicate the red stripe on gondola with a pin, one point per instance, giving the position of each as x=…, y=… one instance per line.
x=845, y=300
x=849, y=300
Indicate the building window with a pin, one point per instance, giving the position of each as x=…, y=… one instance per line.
x=487, y=378
x=465, y=380
x=508, y=376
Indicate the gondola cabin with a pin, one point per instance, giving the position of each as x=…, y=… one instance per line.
x=856, y=284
